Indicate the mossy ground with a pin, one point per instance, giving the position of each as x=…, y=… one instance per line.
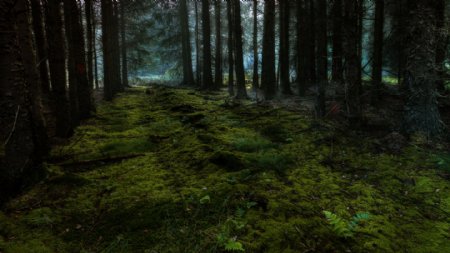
x=188, y=173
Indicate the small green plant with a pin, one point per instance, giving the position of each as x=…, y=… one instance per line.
x=225, y=239
x=40, y=217
x=342, y=227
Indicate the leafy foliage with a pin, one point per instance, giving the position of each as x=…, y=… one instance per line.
x=342, y=227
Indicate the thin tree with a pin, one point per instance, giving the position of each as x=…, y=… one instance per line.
x=90, y=40
x=311, y=40
x=218, y=59
x=238, y=51
x=442, y=42
x=108, y=68
x=337, y=67
x=284, y=47
x=188, y=75
x=118, y=84
x=197, y=47
x=207, y=80
x=94, y=46
x=123, y=46
x=377, y=66
x=302, y=47
x=268, y=78
x=230, y=49
x=255, y=46
x=322, y=56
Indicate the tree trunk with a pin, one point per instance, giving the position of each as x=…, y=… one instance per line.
x=123, y=47
x=268, y=78
x=238, y=51
x=206, y=27
x=377, y=66
x=302, y=48
x=421, y=107
x=352, y=64
x=197, y=48
x=41, y=45
x=77, y=57
x=57, y=65
x=311, y=39
x=337, y=68
x=94, y=46
x=218, y=61
x=284, y=47
x=442, y=41
x=22, y=138
x=230, y=49
x=108, y=59
x=188, y=75
x=255, y=46
x=322, y=57
x=90, y=41
x=119, y=87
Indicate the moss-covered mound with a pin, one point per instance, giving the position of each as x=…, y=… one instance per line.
x=174, y=170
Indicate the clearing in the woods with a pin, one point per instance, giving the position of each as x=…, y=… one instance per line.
x=175, y=170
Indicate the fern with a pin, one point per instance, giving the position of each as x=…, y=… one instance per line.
x=233, y=245
x=342, y=227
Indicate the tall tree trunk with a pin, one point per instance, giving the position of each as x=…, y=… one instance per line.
x=41, y=45
x=302, y=47
x=268, y=78
x=377, y=66
x=206, y=27
x=108, y=59
x=77, y=66
x=116, y=48
x=94, y=46
x=90, y=41
x=218, y=61
x=421, y=107
x=123, y=47
x=322, y=57
x=238, y=51
x=188, y=75
x=21, y=126
x=311, y=39
x=255, y=45
x=337, y=68
x=57, y=66
x=352, y=63
x=442, y=42
x=230, y=49
x=284, y=47
x=197, y=47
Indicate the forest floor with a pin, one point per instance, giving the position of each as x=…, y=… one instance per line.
x=176, y=170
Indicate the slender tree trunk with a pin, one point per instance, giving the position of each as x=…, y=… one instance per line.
x=255, y=46
x=123, y=47
x=41, y=45
x=75, y=39
x=337, y=68
x=377, y=66
x=230, y=49
x=94, y=46
x=442, y=42
x=238, y=52
x=108, y=59
x=302, y=48
x=206, y=27
x=352, y=63
x=90, y=40
x=268, y=78
x=284, y=47
x=57, y=66
x=218, y=61
x=311, y=39
x=197, y=48
x=322, y=57
x=188, y=75
x=119, y=87
x=21, y=137
x=421, y=107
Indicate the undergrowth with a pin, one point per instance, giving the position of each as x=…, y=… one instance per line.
x=179, y=171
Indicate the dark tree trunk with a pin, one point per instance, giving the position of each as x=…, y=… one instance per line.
x=322, y=57
x=255, y=46
x=108, y=59
x=352, y=63
x=238, y=51
x=442, y=42
x=22, y=135
x=302, y=48
x=311, y=39
x=207, y=81
x=421, y=107
x=94, y=46
x=77, y=63
x=197, y=48
x=337, y=68
x=268, y=78
x=41, y=45
x=119, y=87
x=230, y=49
x=188, y=75
x=218, y=61
x=377, y=66
x=284, y=47
x=123, y=48
x=90, y=41
x=56, y=59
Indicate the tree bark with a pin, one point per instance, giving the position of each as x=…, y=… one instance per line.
x=90, y=41
x=311, y=39
x=188, y=75
x=218, y=61
x=207, y=81
x=255, y=46
x=377, y=66
x=442, y=42
x=302, y=48
x=337, y=68
x=230, y=49
x=268, y=78
x=94, y=46
x=123, y=47
x=108, y=59
x=322, y=57
x=119, y=87
x=57, y=65
x=197, y=48
x=238, y=51
x=284, y=47
x=421, y=107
